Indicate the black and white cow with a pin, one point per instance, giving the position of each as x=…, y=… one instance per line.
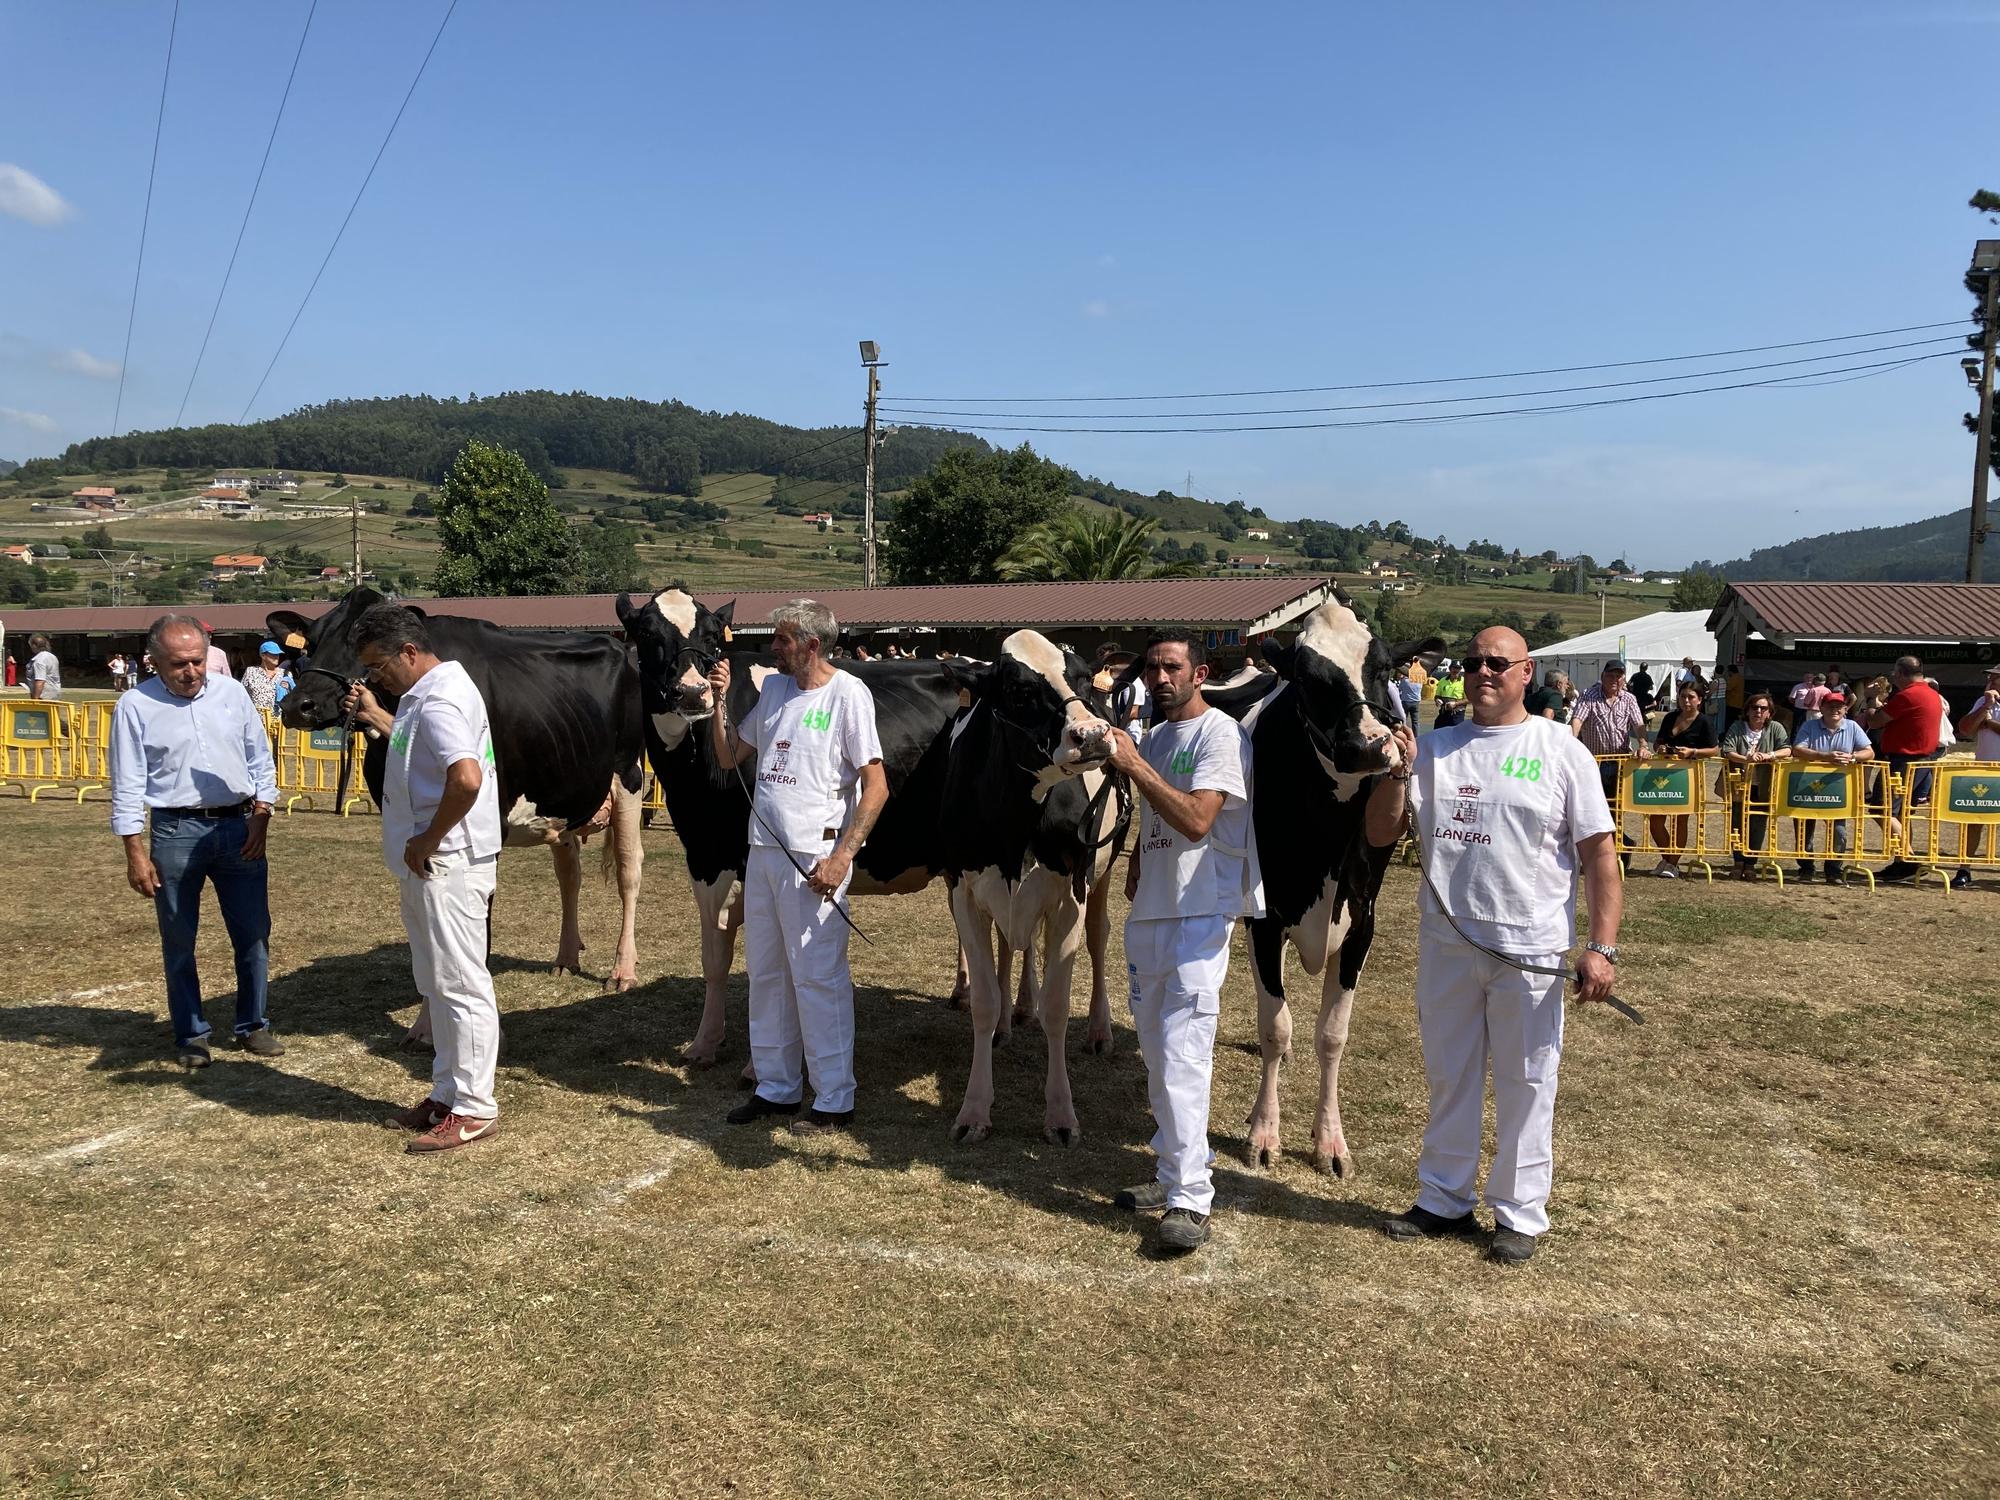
x=1035, y=819
x=1319, y=735
x=565, y=712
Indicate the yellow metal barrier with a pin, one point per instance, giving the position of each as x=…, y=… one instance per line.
x=308, y=762
x=1813, y=803
x=1679, y=817
x=1957, y=824
x=90, y=745
x=35, y=745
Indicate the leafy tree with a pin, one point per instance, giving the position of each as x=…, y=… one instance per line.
x=98, y=539
x=956, y=521
x=497, y=531
x=1697, y=588
x=672, y=465
x=1550, y=624
x=608, y=559
x=160, y=590
x=1079, y=544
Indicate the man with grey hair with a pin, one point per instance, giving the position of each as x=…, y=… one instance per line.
x=820, y=787
x=190, y=748
x=1909, y=728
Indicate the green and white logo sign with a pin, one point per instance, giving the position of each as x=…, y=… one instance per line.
x=1816, y=789
x=1662, y=787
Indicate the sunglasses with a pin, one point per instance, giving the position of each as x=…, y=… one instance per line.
x=1494, y=664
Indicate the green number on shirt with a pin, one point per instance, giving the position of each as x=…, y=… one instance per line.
x=1521, y=768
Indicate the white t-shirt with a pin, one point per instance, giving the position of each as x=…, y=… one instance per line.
x=439, y=722
x=1208, y=753
x=45, y=669
x=1986, y=745
x=1499, y=812
x=811, y=746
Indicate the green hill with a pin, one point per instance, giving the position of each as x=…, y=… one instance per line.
x=1930, y=551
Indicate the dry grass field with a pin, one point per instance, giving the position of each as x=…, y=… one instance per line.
x=1771, y=1270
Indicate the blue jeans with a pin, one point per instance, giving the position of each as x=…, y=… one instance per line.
x=188, y=852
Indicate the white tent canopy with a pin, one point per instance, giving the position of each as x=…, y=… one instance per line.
x=1656, y=641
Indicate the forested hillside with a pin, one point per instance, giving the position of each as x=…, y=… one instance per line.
x=666, y=445
x=1930, y=551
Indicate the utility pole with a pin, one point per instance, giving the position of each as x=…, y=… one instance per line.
x=871, y=358
x=1986, y=259
x=354, y=534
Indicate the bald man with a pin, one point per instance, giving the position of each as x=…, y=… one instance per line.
x=1508, y=807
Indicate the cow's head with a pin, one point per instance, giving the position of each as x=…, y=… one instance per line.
x=678, y=639
x=326, y=658
x=1344, y=680
x=1042, y=695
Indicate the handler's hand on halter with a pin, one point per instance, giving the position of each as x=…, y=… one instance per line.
x=1125, y=754
x=826, y=876
x=718, y=681
x=1406, y=749
x=359, y=700
x=1594, y=976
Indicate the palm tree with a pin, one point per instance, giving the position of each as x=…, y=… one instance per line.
x=1080, y=544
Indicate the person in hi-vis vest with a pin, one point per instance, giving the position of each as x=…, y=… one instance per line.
x=1191, y=876
x=1507, y=807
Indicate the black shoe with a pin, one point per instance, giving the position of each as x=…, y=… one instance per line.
x=1962, y=881
x=1421, y=1224
x=192, y=1055
x=822, y=1121
x=1897, y=869
x=1183, y=1230
x=1510, y=1247
x=263, y=1042
x=1805, y=869
x=1141, y=1199
x=1836, y=875
x=757, y=1106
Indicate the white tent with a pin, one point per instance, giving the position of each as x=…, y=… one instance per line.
x=1657, y=642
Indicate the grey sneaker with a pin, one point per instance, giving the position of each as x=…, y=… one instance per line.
x=1183, y=1230
x=263, y=1042
x=1141, y=1199
x=1510, y=1247
x=1422, y=1224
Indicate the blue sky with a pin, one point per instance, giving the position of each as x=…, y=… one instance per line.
x=715, y=202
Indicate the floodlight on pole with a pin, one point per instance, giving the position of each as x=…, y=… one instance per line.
x=1986, y=265
x=871, y=359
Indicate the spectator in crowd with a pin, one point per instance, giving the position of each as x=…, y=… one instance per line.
x=1642, y=686
x=1685, y=734
x=1981, y=725
x=1450, y=697
x=266, y=679
x=114, y=664
x=44, y=671
x=1419, y=674
x=218, y=659
x=1612, y=726
x=1805, y=699
x=1753, y=744
x=1128, y=698
x=862, y=653
x=188, y=749
x=1830, y=739
x=1909, y=722
x=1409, y=693
x=1548, y=701
x=1732, y=696
x=1570, y=696
x=1836, y=682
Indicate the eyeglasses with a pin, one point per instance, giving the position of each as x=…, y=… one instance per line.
x=1494, y=664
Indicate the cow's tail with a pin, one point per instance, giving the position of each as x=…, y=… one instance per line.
x=624, y=853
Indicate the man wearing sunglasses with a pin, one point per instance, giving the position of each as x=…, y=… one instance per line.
x=1507, y=808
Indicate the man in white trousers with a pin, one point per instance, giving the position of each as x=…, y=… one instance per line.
x=1187, y=882
x=820, y=787
x=1508, y=806
x=441, y=840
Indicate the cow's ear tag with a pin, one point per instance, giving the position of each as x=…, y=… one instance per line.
x=728, y=635
x=295, y=642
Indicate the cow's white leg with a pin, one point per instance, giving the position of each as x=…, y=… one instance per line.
x=569, y=881
x=1274, y=1040
x=1097, y=938
x=625, y=859
x=1329, y=1145
x=961, y=986
x=1062, y=936
x=975, y=933
x=1025, y=1007
x=719, y=904
x=1003, y=1025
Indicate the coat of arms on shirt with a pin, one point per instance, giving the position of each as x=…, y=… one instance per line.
x=1465, y=808
x=780, y=754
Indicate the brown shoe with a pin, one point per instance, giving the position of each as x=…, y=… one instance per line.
x=420, y=1116
x=263, y=1042
x=451, y=1132
x=822, y=1122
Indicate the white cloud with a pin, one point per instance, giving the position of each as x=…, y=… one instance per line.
x=1097, y=307
x=83, y=362
x=34, y=421
x=25, y=196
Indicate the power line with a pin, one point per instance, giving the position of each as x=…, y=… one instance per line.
x=1383, y=385
x=1559, y=390
x=339, y=233
x=269, y=141
x=1435, y=418
x=145, y=219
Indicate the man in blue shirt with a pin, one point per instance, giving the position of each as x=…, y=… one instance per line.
x=189, y=748
x=1832, y=739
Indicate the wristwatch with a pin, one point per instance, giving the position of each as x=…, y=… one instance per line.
x=1607, y=951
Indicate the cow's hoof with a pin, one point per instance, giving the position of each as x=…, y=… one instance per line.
x=1333, y=1164
x=1263, y=1149
x=701, y=1054
x=618, y=984
x=415, y=1043
x=1097, y=1046
x=1062, y=1135
x=970, y=1132
x=957, y=1000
